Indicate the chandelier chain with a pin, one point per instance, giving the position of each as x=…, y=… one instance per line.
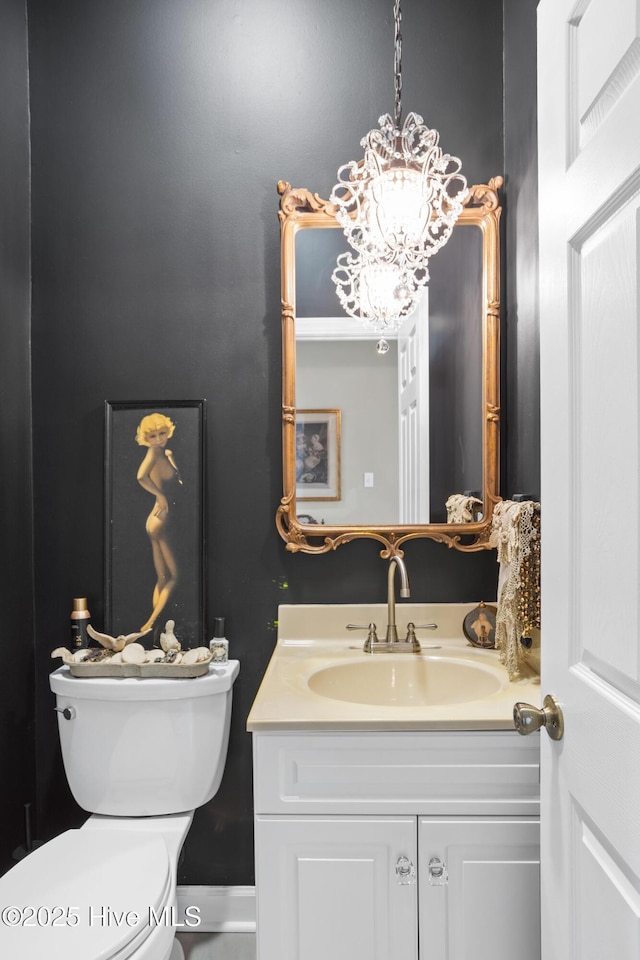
x=397, y=61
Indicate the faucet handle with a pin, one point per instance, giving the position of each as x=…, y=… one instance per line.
x=372, y=636
x=411, y=633
x=411, y=637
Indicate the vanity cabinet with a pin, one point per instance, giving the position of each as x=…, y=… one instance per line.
x=397, y=846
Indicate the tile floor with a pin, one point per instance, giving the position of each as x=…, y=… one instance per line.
x=218, y=946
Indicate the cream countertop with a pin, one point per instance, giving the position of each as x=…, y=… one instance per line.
x=312, y=637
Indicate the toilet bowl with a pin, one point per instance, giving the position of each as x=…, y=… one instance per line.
x=140, y=755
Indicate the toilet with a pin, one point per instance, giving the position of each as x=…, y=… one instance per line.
x=140, y=756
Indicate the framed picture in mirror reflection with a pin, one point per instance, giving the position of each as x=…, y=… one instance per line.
x=318, y=454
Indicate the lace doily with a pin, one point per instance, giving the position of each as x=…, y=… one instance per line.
x=460, y=508
x=515, y=532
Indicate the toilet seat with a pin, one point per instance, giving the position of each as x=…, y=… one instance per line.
x=86, y=895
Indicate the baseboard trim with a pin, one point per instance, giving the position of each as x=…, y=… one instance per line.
x=220, y=909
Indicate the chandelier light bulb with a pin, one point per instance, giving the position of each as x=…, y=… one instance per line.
x=396, y=207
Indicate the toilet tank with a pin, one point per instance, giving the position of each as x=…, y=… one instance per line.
x=144, y=747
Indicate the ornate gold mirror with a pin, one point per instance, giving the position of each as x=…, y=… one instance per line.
x=398, y=440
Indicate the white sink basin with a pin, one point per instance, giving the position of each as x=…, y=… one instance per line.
x=408, y=680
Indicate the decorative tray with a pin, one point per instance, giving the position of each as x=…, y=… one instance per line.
x=121, y=656
x=185, y=670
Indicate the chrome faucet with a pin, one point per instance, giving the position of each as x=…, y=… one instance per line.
x=392, y=630
x=391, y=642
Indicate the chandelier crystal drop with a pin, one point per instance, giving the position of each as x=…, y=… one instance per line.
x=397, y=207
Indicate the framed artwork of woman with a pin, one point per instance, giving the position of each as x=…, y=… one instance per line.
x=154, y=565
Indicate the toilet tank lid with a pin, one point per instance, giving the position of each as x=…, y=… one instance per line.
x=96, y=891
x=219, y=679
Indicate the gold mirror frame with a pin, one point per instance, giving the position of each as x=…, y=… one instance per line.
x=301, y=209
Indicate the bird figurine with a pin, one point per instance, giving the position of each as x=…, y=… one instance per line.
x=168, y=639
x=114, y=643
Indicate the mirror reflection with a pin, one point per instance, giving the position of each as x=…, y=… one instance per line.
x=391, y=438
x=411, y=414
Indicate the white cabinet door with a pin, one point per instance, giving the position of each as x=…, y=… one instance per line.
x=328, y=888
x=486, y=903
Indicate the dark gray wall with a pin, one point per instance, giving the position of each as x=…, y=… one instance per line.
x=522, y=433
x=17, y=719
x=159, y=130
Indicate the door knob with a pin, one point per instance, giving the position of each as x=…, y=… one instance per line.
x=527, y=719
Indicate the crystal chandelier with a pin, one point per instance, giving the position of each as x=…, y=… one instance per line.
x=379, y=293
x=397, y=207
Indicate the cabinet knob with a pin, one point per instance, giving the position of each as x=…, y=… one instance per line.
x=405, y=871
x=438, y=873
x=527, y=718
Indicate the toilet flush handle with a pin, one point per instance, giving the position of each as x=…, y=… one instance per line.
x=67, y=712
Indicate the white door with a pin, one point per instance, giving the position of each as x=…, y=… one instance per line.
x=413, y=413
x=479, y=888
x=589, y=175
x=336, y=888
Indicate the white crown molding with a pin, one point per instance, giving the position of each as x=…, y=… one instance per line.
x=335, y=328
